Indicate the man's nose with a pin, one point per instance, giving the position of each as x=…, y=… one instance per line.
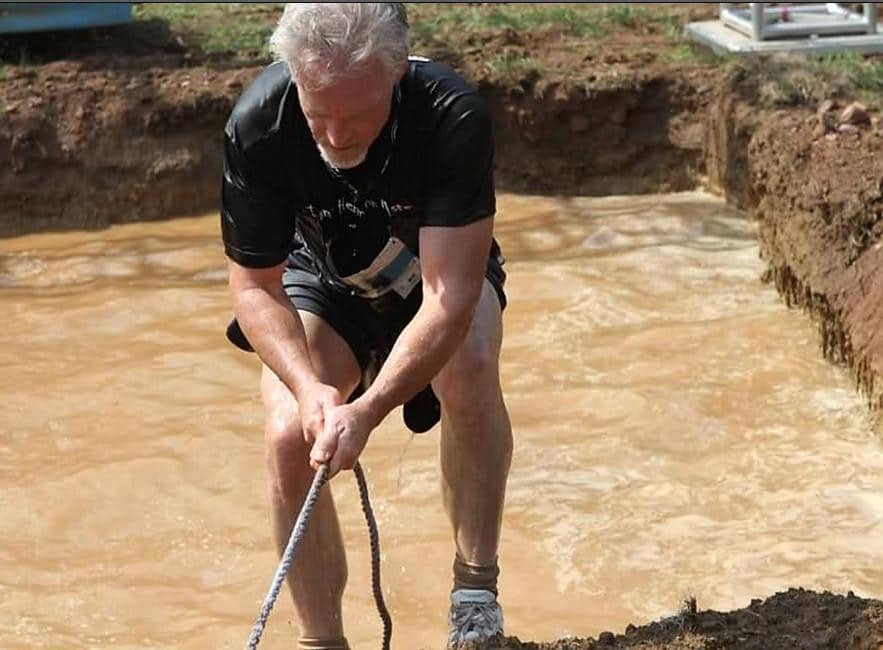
x=339, y=134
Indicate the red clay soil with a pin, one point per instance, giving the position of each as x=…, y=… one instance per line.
x=796, y=619
x=92, y=142
x=147, y=133
x=837, y=209
x=814, y=182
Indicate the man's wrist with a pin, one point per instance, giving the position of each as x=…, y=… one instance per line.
x=301, y=384
x=374, y=407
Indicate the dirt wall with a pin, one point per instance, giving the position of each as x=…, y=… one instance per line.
x=89, y=144
x=640, y=135
x=813, y=181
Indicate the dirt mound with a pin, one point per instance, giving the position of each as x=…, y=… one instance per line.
x=795, y=619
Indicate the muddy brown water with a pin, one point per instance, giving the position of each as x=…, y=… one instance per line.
x=677, y=433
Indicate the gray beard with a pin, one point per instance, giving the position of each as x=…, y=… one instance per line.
x=340, y=164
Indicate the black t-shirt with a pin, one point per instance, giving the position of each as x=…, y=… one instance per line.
x=432, y=165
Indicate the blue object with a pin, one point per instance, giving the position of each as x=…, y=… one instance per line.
x=18, y=17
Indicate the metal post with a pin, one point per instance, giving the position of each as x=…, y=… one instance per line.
x=757, y=20
x=871, y=16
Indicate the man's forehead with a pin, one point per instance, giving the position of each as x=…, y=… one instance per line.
x=322, y=73
x=340, y=91
x=357, y=85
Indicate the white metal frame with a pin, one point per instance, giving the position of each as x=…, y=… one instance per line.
x=762, y=23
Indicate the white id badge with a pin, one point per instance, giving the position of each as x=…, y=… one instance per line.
x=395, y=268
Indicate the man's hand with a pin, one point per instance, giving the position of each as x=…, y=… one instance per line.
x=343, y=438
x=315, y=403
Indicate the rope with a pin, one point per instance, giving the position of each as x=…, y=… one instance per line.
x=375, y=556
x=300, y=526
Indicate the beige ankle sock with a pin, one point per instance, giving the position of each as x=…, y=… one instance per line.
x=475, y=576
x=314, y=643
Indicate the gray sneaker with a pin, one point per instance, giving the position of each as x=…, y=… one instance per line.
x=476, y=616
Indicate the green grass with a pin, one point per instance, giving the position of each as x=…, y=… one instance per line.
x=457, y=33
x=801, y=81
x=240, y=31
x=171, y=12
x=237, y=29
x=687, y=52
x=235, y=33
x=445, y=24
x=4, y=72
x=683, y=52
x=511, y=63
x=673, y=30
x=578, y=23
x=859, y=76
x=427, y=23
x=626, y=15
x=866, y=74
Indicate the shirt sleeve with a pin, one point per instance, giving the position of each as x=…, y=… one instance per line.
x=257, y=220
x=460, y=188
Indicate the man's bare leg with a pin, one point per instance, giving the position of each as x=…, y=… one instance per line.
x=476, y=439
x=319, y=572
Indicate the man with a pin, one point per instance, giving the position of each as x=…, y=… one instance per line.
x=357, y=216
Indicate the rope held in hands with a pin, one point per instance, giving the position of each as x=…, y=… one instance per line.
x=297, y=533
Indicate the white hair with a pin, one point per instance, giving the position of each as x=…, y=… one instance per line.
x=331, y=40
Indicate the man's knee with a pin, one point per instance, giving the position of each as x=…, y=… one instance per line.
x=287, y=455
x=470, y=381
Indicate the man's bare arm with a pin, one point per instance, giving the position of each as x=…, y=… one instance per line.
x=271, y=324
x=453, y=261
x=273, y=327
